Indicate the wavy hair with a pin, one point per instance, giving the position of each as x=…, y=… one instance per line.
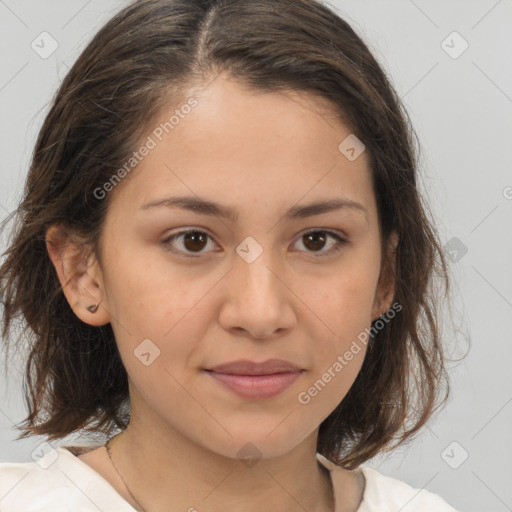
x=145, y=58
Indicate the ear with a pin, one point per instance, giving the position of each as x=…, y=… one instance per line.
x=79, y=274
x=386, y=287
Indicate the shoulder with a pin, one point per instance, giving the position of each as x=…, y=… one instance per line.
x=32, y=486
x=58, y=481
x=371, y=491
x=383, y=493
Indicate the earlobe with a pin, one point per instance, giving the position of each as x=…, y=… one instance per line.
x=79, y=275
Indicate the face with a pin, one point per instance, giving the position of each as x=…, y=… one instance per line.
x=188, y=289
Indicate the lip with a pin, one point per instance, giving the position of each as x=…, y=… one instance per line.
x=256, y=381
x=246, y=367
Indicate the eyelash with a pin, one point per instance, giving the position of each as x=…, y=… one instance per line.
x=341, y=242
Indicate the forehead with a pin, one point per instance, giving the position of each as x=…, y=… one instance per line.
x=248, y=147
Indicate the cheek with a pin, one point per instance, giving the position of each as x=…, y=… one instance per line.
x=329, y=383
x=345, y=300
x=345, y=306
x=172, y=311
x=148, y=290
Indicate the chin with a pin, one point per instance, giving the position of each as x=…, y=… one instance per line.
x=259, y=442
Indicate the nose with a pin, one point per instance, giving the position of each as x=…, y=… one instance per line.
x=257, y=301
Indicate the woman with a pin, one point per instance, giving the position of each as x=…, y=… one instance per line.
x=222, y=252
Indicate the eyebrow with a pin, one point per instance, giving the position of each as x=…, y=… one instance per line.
x=206, y=207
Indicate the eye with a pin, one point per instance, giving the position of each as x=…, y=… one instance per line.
x=315, y=241
x=191, y=240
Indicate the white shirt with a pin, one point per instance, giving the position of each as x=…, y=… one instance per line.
x=61, y=482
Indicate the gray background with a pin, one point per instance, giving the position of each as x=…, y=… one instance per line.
x=461, y=108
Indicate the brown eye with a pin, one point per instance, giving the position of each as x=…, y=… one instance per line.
x=190, y=242
x=316, y=241
x=194, y=241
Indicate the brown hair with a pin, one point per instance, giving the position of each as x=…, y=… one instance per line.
x=143, y=59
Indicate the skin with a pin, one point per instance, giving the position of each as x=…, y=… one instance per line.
x=260, y=153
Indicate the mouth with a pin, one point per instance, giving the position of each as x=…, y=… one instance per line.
x=256, y=381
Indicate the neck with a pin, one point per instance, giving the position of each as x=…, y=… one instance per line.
x=166, y=471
